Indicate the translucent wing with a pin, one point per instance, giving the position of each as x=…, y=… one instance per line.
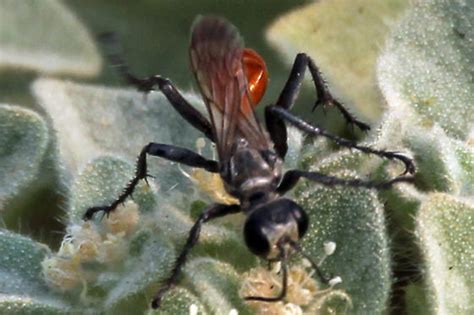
x=216, y=58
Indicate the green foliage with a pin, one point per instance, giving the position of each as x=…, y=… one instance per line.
x=91, y=135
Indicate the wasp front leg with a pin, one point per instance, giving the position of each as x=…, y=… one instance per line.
x=169, y=152
x=212, y=212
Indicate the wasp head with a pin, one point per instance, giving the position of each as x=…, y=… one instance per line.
x=271, y=224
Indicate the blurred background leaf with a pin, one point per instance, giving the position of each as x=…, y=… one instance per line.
x=44, y=36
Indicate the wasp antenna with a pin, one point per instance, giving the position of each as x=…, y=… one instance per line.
x=114, y=53
x=113, y=50
x=315, y=266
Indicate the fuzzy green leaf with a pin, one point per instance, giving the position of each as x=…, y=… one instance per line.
x=354, y=219
x=446, y=237
x=24, y=141
x=20, y=264
x=21, y=283
x=45, y=36
x=426, y=66
x=344, y=38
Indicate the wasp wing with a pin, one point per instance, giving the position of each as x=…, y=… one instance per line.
x=216, y=58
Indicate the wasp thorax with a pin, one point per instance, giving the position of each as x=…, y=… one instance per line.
x=272, y=223
x=251, y=170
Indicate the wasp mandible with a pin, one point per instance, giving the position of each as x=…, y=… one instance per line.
x=232, y=80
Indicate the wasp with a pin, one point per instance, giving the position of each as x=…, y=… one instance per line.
x=232, y=80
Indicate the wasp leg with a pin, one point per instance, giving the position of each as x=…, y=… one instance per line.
x=212, y=212
x=168, y=152
x=307, y=127
x=288, y=95
x=277, y=131
x=293, y=176
x=292, y=88
x=156, y=82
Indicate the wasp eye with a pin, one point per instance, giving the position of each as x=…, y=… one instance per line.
x=255, y=236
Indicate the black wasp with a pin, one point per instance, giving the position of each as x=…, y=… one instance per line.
x=232, y=80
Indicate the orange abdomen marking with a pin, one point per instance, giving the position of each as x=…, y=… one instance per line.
x=256, y=73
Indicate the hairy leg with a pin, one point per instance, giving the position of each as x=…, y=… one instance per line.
x=181, y=105
x=169, y=152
